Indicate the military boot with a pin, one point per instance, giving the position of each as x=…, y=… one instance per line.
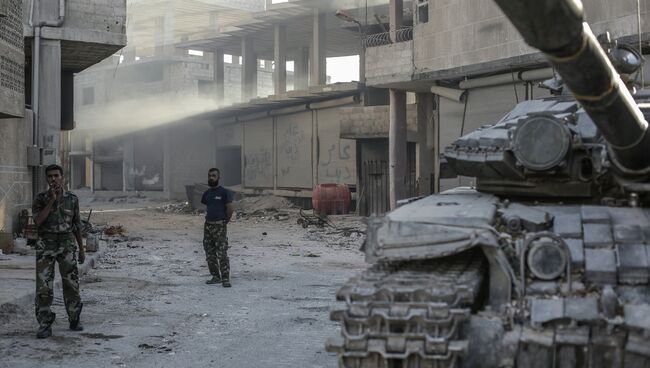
x=44, y=332
x=75, y=323
x=45, y=329
x=226, y=283
x=214, y=280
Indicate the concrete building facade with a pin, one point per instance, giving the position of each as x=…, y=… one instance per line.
x=43, y=45
x=241, y=114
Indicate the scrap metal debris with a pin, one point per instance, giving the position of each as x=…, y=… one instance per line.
x=306, y=220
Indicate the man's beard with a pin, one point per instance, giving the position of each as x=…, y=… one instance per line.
x=213, y=183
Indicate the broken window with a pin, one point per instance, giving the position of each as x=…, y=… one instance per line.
x=423, y=11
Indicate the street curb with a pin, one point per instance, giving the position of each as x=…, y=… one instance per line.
x=27, y=299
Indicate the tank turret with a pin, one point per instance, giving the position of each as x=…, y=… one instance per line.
x=578, y=145
x=557, y=28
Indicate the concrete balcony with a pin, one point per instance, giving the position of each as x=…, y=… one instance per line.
x=91, y=30
x=389, y=64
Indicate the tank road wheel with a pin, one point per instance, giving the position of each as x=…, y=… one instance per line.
x=408, y=315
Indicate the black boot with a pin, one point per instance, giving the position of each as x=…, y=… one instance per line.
x=226, y=283
x=75, y=323
x=44, y=332
x=46, y=320
x=214, y=280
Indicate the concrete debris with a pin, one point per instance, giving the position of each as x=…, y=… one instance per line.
x=261, y=203
x=183, y=207
x=115, y=230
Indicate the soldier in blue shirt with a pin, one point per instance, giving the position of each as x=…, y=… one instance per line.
x=218, y=201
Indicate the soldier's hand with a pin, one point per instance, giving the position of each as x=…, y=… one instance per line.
x=51, y=194
x=82, y=257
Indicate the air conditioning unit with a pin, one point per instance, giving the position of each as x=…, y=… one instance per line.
x=38, y=156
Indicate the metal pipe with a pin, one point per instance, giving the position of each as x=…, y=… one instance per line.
x=36, y=62
x=36, y=70
x=557, y=28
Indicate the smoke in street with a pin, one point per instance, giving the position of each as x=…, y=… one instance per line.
x=139, y=114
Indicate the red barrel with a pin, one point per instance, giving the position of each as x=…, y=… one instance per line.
x=331, y=199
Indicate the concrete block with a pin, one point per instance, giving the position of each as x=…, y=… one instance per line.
x=546, y=310
x=568, y=226
x=581, y=309
x=597, y=235
x=595, y=215
x=632, y=263
x=600, y=266
x=628, y=234
x=576, y=247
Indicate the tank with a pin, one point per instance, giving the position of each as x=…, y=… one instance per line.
x=546, y=262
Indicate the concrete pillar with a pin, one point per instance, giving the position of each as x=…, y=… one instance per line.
x=318, y=62
x=396, y=14
x=164, y=34
x=280, y=58
x=219, y=74
x=49, y=110
x=249, y=70
x=301, y=69
x=362, y=63
x=129, y=54
x=397, y=160
x=425, y=156
x=128, y=163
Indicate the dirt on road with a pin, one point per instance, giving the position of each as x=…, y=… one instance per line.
x=146, y=304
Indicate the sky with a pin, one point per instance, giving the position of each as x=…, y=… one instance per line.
x=340, y=69
x=343, y=69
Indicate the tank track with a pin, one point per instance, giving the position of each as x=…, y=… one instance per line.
x=408, y=314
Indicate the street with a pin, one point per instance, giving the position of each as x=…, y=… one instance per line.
x=147, y=304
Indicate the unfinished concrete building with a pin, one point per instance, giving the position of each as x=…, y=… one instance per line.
x=468, y=66
x=163, y=83
x=246, y=139
x=43, y=45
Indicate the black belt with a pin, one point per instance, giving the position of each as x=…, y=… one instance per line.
x=56, y=236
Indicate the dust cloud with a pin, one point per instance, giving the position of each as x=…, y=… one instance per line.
x=143, y=113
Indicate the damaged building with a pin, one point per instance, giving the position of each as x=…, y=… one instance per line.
x=43, y=45
x=423, y=81
x=282, y=138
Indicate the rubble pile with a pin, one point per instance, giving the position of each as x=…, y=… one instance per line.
x=182, y=207
x=263, y=208
x=261, y=203
x=115, y=230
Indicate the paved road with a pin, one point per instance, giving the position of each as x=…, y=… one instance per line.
x=146, y=305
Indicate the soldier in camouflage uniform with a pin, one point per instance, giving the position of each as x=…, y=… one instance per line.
x=56, y=214
x=219, y=209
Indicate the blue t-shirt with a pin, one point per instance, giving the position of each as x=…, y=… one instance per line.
x=216, y=199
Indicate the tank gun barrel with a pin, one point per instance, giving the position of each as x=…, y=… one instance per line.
x=557, y=28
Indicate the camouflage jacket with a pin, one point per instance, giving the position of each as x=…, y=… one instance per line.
x=64, y=217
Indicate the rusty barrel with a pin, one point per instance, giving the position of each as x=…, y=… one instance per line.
x=331, y=199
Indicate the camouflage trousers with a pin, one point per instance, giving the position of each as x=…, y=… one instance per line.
x=215, y=244
x=47, y=253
